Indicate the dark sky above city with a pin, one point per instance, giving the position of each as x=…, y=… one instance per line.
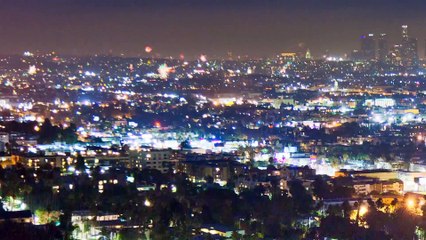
x=257, y=28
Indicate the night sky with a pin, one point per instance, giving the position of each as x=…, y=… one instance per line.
x=258, y=28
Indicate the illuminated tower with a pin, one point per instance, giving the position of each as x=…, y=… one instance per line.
x=395, y=56
x=404, y=32
x=308, y=54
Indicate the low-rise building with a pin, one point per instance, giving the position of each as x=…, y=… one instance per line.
x=382, y=174
x=220, y=231
x=24, y=216
x=160, y=159
x=365, y=185
x=220, y=170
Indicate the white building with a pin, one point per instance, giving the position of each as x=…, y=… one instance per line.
x=160, y=159
x=384, y=102
x=4, y=138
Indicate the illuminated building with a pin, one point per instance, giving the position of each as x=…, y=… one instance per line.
x=425, y=50
x=413, y=181
x=356, y=55
x=381, y=174
x=365, y=186
x=4, y=139
x=101, y=220
x=368, y=47
x=160, y=159
x=37, y=161
x=4, y=103
x=409, y=49
x=220, y=230
x=24, y=216
x=395, y=55
x=384, y=102
x=308, y=54
x=220, y=170
x=288, y=57
x=109, y=160
x=382, y=48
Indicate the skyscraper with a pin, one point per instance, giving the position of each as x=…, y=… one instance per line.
x=395, y=56
x=308, y=54
x=368, y=47
x=409, y=50
x=425, y=51
x=404, y=31
x=382, y=48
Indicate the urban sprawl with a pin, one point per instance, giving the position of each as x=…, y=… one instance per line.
x=287, y=147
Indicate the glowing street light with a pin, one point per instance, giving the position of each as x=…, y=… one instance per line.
x=147, y=203
x=363, y=210
x=410, y=203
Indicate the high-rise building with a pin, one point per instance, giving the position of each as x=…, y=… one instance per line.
x=308, y=54
x=425, y=51
x=382, y=48
x=404, y=31
x=368, y=47
x=395, y=55
x=409, y=50
x=356, y=55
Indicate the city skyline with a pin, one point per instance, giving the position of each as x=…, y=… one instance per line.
x=253, y=28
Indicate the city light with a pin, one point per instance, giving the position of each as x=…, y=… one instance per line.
x=363, y=210
x=148, y=49
x=147, y=203
x=410, y=203
x=214, y=120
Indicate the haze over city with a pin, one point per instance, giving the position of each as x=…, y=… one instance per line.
x=254, y=28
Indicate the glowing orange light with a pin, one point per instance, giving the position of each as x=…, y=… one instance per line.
x=363, y=210
x=410, y=203
x=148, y=49
x=157, y=124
